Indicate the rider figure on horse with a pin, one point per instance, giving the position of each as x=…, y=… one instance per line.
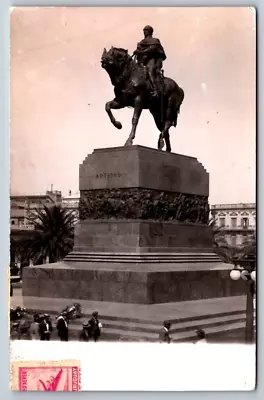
x=151, y=55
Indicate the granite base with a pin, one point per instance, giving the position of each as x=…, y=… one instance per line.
x=132, y=283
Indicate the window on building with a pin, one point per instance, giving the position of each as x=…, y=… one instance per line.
x=244, y=223
x=222, y=221
x=233, y=222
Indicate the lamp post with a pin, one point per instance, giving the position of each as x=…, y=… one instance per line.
x=246, y=271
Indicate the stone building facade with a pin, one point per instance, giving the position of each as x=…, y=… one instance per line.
x=21, y=206
x=238, y=221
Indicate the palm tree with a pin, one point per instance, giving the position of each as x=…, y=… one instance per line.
x=53, y=236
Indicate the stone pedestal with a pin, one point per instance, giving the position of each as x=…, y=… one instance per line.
x=143, y=235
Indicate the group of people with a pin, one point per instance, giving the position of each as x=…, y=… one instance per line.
x=164, y=335
x=41, y=328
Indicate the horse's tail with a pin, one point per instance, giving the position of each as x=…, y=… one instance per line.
x=178, y=108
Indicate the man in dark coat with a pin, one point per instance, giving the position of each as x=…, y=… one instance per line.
x=94, y=327
x=45, y=327
x=62, y=327
x=201, y=337
x=164, y=335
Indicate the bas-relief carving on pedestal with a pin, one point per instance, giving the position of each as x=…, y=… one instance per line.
x=138, y=203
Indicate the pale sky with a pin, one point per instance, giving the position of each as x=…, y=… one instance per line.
x=59, y=91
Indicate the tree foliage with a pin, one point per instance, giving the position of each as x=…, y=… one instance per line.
x=53, y=236
x=234, y=254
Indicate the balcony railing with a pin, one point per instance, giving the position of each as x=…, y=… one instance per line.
x=22, y=227
x=236, y=228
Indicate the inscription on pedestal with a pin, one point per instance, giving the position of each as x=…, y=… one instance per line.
x=107, y=175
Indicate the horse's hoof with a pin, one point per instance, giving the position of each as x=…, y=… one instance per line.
x=129, y=143
x=118, y=125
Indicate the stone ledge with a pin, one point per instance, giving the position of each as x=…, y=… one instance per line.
x=142, y=257
x=139, y=148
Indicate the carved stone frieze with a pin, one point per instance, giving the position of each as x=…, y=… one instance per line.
x=138, y=203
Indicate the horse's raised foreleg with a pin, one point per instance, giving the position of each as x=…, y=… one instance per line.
x=138, y=107
x=114, y=105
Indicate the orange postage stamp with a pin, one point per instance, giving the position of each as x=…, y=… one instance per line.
x=56, y=376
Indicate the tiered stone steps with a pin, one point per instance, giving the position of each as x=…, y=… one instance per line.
x=183, y=329
x=142, y=257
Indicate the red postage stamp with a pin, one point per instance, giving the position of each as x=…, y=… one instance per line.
x=63, y=376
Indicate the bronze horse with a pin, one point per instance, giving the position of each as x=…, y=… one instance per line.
x=132, y=88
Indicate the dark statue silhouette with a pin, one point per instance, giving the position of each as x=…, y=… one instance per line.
x=139, y=83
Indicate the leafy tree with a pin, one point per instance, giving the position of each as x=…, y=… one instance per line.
x=234, y=254
x=17, y=253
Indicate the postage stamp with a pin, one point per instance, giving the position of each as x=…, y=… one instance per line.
x=56, y=376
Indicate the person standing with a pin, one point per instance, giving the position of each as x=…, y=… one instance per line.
x=34, y=330
x=62, y=327
x=164, y=335
x=201, y=336
x=94, y=327
x=45, y=328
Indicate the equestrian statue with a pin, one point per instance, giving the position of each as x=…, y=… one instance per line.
x=139, y=83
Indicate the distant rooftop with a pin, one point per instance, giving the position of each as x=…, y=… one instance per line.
x=40, y=194
x=236, y=206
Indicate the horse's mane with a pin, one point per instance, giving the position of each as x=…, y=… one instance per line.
x=132, y=62
x=120, y=49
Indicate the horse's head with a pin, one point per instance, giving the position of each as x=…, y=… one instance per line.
x=115, y=59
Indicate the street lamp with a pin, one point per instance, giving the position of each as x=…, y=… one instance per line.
x=247, y=272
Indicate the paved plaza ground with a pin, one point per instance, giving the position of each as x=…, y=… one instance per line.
x=151, y=312
x=223, y=319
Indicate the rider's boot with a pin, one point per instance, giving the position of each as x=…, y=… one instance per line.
x=154, y=89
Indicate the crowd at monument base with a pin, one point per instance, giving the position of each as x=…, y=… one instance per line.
x=143, y=235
